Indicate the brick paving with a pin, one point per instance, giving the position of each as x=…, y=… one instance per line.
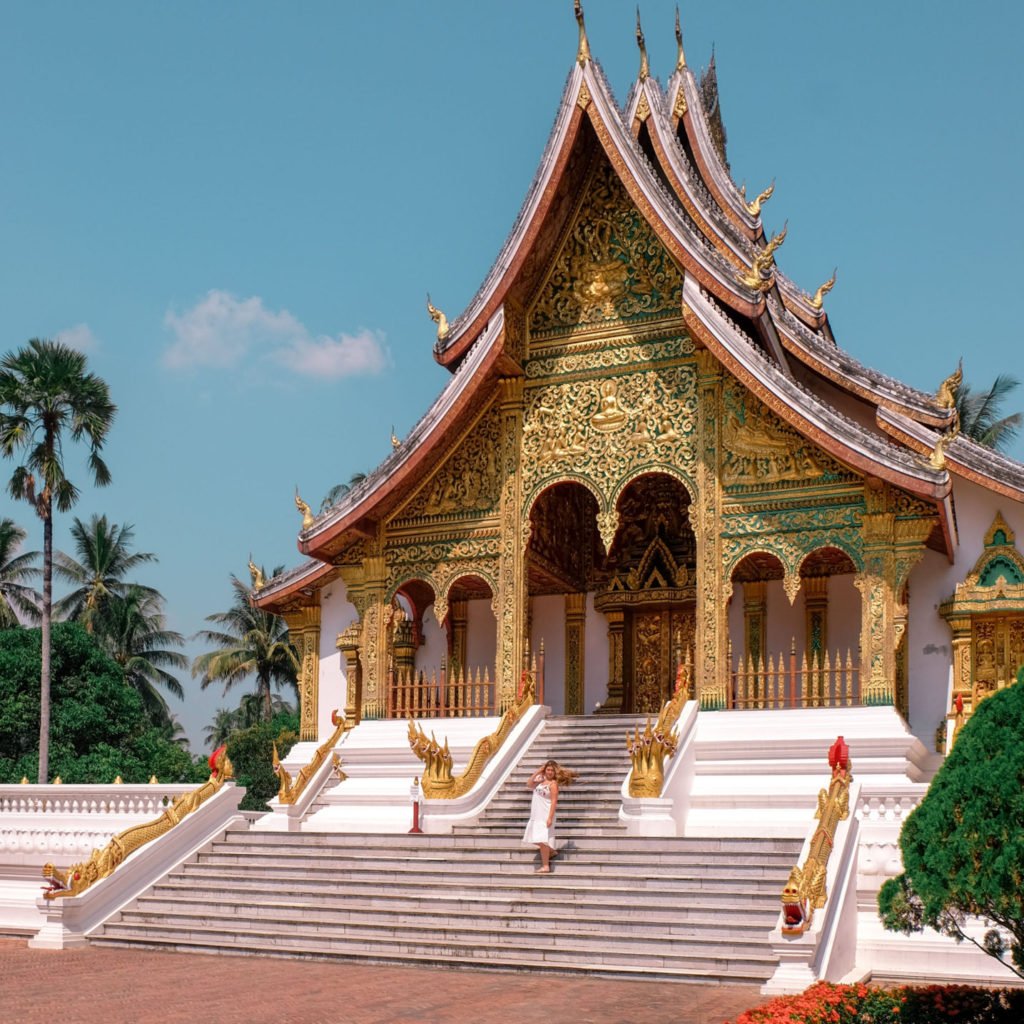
x=125, y=986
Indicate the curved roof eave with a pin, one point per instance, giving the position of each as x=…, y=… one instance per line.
x=360, y=502
x=293, y=581
x=835, y=364
x=845, y=439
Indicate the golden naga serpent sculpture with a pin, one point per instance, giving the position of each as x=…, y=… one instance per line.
x=648, y=750
x=437, y=781
x=289, y=789
x=805, y=890
x=103, y=862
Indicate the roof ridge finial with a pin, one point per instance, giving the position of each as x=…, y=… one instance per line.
x=754, y=208
x=819, y=295
x=645, y=66
x=583, y=51
x=681, y=58
x=440, y=319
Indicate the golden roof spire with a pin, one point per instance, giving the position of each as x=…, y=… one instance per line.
x=304, y=510
x=645, y=66
x=819, y=295
x=583, y=51
x=754, y=208
x=681, y=58
x=439, y=318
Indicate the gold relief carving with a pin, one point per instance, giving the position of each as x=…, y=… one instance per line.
x=679, y=107
x=607, y=526
x=643, y=109
x=611, y=265
x=368, y=652
x=575, y=618
x=791, y=585
x=583, y=99
x=605, y=434
x=304, y=633
x=468, y=483
x=606, y=358
x=647, y=662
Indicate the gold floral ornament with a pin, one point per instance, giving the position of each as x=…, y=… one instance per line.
x=805, y=890
x=443, y=330
x=819, y=296
x=102, y=863
x=289, y=789
x=438, y=782
x=648, y=750
x=305, y=511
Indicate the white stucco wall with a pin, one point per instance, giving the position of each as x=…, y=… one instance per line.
x=336, y=614
x=595, y=666
x=548, y=625
x=434, y=648
x=481, y=636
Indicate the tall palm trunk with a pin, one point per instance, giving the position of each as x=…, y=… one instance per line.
x=44, y=675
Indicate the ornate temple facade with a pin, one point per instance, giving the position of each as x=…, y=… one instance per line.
x=653, y=453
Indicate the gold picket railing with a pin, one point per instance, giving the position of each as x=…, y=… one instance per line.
x=805, y=890
x=819, y=681
x=648, y=750
x=289, y=789
x=437, y=781
x=103, y=862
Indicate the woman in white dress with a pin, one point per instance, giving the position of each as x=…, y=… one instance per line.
x=540, y=829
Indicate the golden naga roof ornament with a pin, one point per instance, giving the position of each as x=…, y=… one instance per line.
x=307, y=512
x=645, y=64
x=258, y=582
x=583, y=50
x=395, y=443
x=681, y=57
x=945, y=397
x=761, y=278
x=819, y=295
x=754, y=208
x=439, y=318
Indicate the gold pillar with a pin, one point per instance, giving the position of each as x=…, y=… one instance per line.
x=612, y=704
x=511, y=596
x=575, y=620
x=304, y=633
x=373, y=649
x=404, y=648
x=712, y=630
x=878, y=598
x=348, y=643
x=963, y=669
x=815, y=590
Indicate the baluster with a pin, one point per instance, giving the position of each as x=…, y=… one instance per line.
x=849, y=678
x=491, y=691
x=732, y=669
x=477, y=701
x=833, y=697
x=803, y=684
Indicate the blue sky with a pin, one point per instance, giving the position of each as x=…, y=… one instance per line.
x=237, y=209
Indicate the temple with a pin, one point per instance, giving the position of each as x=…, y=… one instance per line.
x=653, y=453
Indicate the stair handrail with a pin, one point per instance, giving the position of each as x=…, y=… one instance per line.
x=437, y=780
x=817, y=932
x=105, y=860
x=290, y=789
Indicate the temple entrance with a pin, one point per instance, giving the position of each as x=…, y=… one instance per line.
x=649, y=595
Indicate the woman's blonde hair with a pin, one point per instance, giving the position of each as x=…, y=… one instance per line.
x=563, y=776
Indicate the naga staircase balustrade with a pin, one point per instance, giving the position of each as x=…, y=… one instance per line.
x=648, y=750
x=103, y=862
x=290, y=789
x=817, y=681
x=438, y=783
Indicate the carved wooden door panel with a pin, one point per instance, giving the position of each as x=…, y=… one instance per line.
x=660, y=640
x=998, y=653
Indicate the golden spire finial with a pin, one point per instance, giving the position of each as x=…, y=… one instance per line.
x=754, y=208
x=819, y=295
x=257, y=575
x=945, y=397
x=395, y=443
x=645, y=66
x=681, y=58
x=439, y=318
x=307, y=512
x=583, y=50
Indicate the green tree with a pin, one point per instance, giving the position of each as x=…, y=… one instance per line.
x=100, y=728
x=130, y=627
x=338, y=491
x=250, y=642
x=963, y=846
x=16, y=596
x=101, y=570
x=47, y=395
x=981, y=416
x=252, y=754
x=250, y=711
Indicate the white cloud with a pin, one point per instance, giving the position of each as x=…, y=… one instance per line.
x=224, y=331
x=79, y=337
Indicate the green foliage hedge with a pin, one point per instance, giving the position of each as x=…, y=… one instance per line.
x=252, y=754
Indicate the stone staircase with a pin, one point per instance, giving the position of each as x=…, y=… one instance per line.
x=686, y=909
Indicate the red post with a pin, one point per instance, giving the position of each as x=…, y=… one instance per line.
x=414, y=792
x=792, y=673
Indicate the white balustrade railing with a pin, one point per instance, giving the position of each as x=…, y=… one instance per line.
x=78, y=800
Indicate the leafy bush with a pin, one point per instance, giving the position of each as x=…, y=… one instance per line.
x=252, y=754
x=963, y=847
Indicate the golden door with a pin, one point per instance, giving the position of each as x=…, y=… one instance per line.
x=997, y=654
x=661, y=639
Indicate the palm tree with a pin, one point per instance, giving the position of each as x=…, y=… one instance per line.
x=47, y=394
x=16, y=597
x=130, y=628
x=980, y=413
x=105, y=559
x=338, y=491
x=250, y=642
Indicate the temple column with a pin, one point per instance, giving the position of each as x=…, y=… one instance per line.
x=511, y=596
x=712, y=628
x=348, y=643
x=304, y=633
x=963, y=670
x=373, y=648
x=575, y=619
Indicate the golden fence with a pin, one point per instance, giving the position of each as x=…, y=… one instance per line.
x=827, y=680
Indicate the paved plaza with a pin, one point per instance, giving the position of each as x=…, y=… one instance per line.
x=123, y=986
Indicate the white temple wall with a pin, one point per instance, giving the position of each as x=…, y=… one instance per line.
x=481, y=636
x=548, y=625
x=932, y=581
x=434, y=648
x=844, y=614
x=785, y=621
x=336, y=614
x=595, y=657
